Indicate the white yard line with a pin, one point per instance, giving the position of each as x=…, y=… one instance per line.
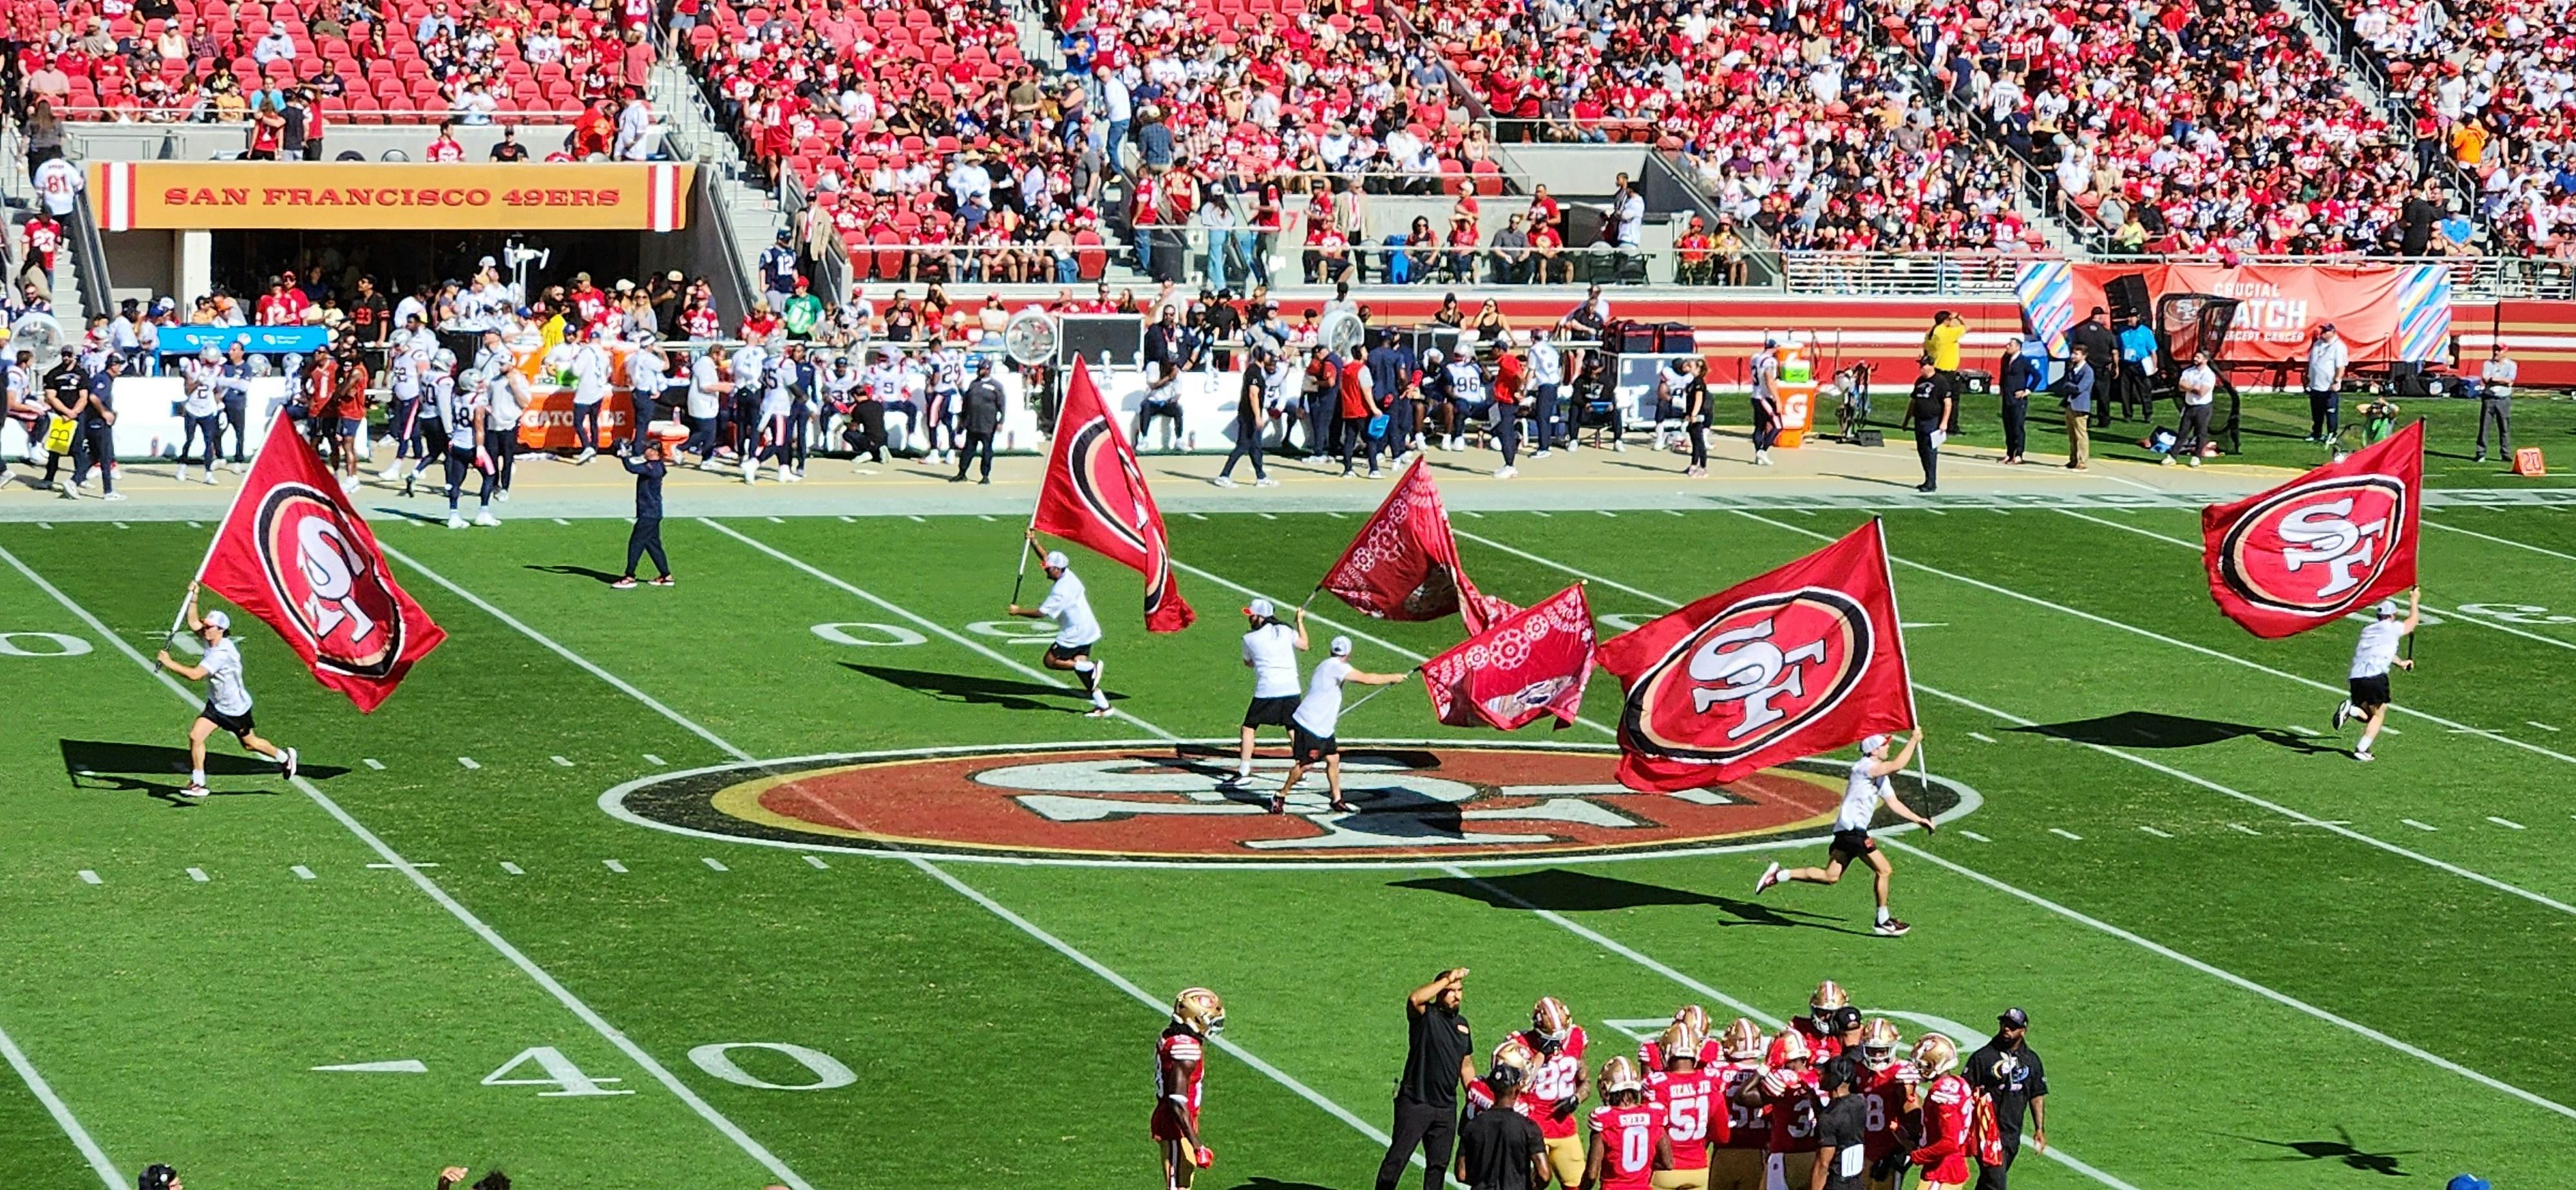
x=90, y=877
x=62, y=1113
x=2418, y=825
x=817, y=861
x=2242, y=829
x=2185, y=645
x=513, y=869
x=2066, y=834
x=198, y=875
x=1974, y=835
x=614, y=866
x=302, y=872
x=455, y=908
x=1981, y=737
x=2506, y=823
x=714, y=863
x=2520, y=545
x=2542, y=726
x=2157, y=833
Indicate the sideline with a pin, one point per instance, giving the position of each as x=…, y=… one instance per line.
x=62, y=1113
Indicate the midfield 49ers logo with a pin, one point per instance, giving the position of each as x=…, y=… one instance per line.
x=1425, y=802
x=2317, y=548
x=332, y=593
x=1757, y=671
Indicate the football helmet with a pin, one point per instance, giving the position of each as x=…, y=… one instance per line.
x=1878, y=1042
x=1681, y=1040
x=1514, y=1056
x=1820, y=1007
x=1742, y=1040
x=1694, y=1016
x=1789, y=1046
x=1199, y=1011
x=1550, y=1020
x=1935, y=1055
x=1620, y=1074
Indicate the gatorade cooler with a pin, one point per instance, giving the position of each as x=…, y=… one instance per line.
x=1797, y=385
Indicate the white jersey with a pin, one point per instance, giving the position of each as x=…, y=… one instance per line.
x=507, y=399
x=589, y=375
x=205, y=396
x=886, y=383
x=224, y=690
x=404, y=372
x=704, y=376
x=1862, y=795
x=646, y=375
x=838, y=382
x=1272, y=652
x=1070, y=607
x=457, y=404
x=774, y=397
x=1321, y=710
x=2377, y=648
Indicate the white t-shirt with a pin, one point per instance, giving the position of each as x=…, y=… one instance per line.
x=2377, y=648
x=589, y=375
x=2199, y=385
x=1070, y=607
x=1321, y=710
x=223, y=667
x=505, y=400
x=1862, y=795
x=60, y=182
x=2326, y=362
x=2500, y=375
x=704, y=376
x=1272, y=651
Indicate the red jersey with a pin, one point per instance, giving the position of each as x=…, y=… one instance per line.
x=1822, y=1046
x=1177, y=1046
x=321, y=387
x=1691, y=1109
x=1745, y=1127
x=1625, y=1138
x=1792, y=1112
x=1480, y=1098
x=44, y=239
x=1944, y=1151
x=1883, y=1104
x=1555, y=1084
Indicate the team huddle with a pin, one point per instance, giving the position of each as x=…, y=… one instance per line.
x=1831, y=1102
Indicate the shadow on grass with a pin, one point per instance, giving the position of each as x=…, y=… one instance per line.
x=2156, y=729
x=600, y=576
x=158, y=771
x=1562, y=891
x=1007, y=693
x=2342, y=1150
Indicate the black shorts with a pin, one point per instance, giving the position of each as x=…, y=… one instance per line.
x=1271, y=712
x=1062, y=653
x=1852, y=845
x=239, y=725
x=1305, y=747
x=2371, y=691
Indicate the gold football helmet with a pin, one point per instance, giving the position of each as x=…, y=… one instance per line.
x=1878, y=1043
x=1820, y=1007
x=1680, y=1040
x=1549, y=1019
x=1694, y=1016
x=1935, y=1055
x=1789, y=1046
x=1514, y=1055
x=1742, y=1040
x=1620, y=1074
x=1199, y=1011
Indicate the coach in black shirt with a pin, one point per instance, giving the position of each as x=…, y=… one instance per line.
x=1426, y=1095
x=1929, y=407
x=1842, y=1129
x=2011, y=1074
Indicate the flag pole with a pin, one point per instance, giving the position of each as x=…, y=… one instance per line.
x=1026, y=548
x=1887, y=564
x=180, y=618
x=1364, y=699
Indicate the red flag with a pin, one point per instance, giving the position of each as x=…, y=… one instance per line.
x=1532, y=662
x=294, y=552
x=1095, y=495
x=1802, y=660
x=1404, y=563
x=2304, y=554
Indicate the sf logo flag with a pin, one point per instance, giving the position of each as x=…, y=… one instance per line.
x=2309, y=552
x=294, y=553
x=1799, y=661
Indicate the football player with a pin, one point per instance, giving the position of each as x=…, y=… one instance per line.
x=1887, y=1088
x=1943, y=1153
x=1789, y=1097
x=1650, y=1052
x=1865, y=791
x=1555, y=1087
x=1076, y=629
x=1510, y=1056
x=1629, y=1144
x=1823, y=1039
x=1740, y=1145
x=1688, y=1094
x=1180, y=1063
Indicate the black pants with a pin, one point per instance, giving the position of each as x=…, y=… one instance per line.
x=1321, y=425
x=1247, y=444
x=1952, y=386
x=866, y=433
x=1929, y=453
x=2325, y=413
x=978, y=443
x=1433, y=1129
x=1766, y=425
x=2195, y=431
x=1991, y=1177
x=2016, y=419
x=1699, y=442
x=237, y=416
x=92, y=442
x=1545, y=412
x=646, y=539
x=585, y=425
x=1507, y=431
x=1149, y=412
x=458, y=463
x=1356, y=441
x=208, y=427
x=503, y=446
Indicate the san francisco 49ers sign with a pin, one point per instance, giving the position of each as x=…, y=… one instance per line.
x=1414, y=803
x=2310, y=551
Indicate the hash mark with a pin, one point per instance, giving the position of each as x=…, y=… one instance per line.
x=1675, y=512
x=613, y=865
x=1267, y=516
x=916, y=519
x=90, y=877
x=2243, y=829
x=45, y=525
x=2506, y=823
x=983, y=516
x=195, y=525
x=2066, y=834
x=1197, y=516
x=561, y=521
x=120, y=524
x=2542, y=726
x=2295, y=729
x=561, y=761
x=656, y=761
x=817, y=861
x=1978, y=837
x=849, y=520
x=2157, y=833
x=512, y=868
x=713, y=862
x=399, y=867
x=1335, y=515
x=2417, y=825
x=776, y=521
x=1473, y=513
x=373, y=763
x=1606, y=512
x=198, y=875
x=468, y=762
x=1981, y=737
x=2390, y=730
x=301, y=872
x=1542, y=512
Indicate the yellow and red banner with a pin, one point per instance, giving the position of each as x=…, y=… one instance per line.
x=362, y=195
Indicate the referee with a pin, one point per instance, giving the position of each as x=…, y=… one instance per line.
x=2011, y=1074
x=1426, y=1094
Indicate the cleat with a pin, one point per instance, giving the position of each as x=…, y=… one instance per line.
x=1892, y=928
x=289, y=764
x=1278, y=804
x=1770, y=876
x=487, y=520
x=112, y=497
x=624, y=583
x=2342, y=714
x=1098, y=713
x=1222, y=481
x=666, y=581
x=1506, y=472
x=456, y=520
x=2364, y=757
x=503, y=495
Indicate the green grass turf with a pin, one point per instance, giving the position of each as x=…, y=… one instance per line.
x=982, y=1054
x=2273, y=425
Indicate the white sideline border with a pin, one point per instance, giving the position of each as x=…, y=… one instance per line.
x=62, y=1114
x=2115, y=931
x=517, y=958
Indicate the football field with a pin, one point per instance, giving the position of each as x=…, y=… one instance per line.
x=806, y=873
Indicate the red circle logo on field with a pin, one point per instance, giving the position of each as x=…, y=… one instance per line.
x=2317, y=548
x=1143, y=804
x=1751, y=675
x=330, y=589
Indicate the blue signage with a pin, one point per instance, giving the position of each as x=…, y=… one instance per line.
x=258, y=340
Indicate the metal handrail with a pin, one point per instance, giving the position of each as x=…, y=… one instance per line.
x=90, y=258
x=175, y=117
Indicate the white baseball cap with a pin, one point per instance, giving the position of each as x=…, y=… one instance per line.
x=1873, y=743
x=2387, y=608
x=1259, y=608
x=1056, y=560
x=1341, y=646
x=219, y=620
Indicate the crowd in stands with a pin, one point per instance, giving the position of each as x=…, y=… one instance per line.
x=2494, y=86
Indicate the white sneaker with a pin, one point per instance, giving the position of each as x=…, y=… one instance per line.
x=71, y=491
x=706, y=464
x=210, y=477
x=487, y=520
x=750, y=470
x=787, y=476
x=1506, y=472
x=2363, y=757
x=1618, y=446
x=348, y=483
x=1539, y=454
x=1770, y=876
x=288, y=764
x=503, y=495
x=586, y=455
x=112, y=497
x=1222, y=481
x=1265, y=482
x=456, y=520
x=182, y=476
x=192, y=789
x=2342, y=714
